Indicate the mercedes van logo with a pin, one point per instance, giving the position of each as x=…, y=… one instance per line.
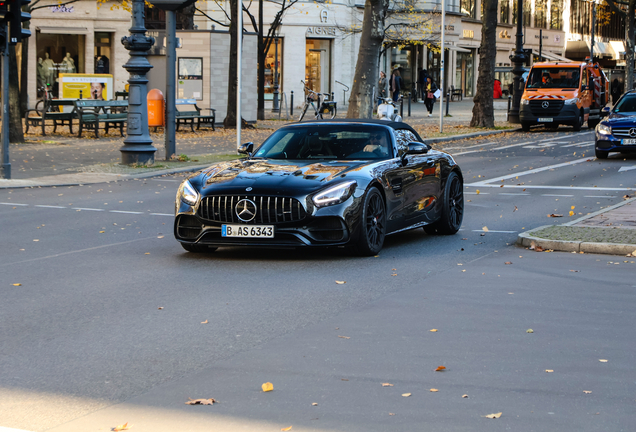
x=545, y=104
x=632, y=132
x=245, y=210
x=248, y=189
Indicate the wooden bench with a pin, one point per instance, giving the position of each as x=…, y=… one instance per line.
x=52, y=112
x=91, y=113
x=188, y=112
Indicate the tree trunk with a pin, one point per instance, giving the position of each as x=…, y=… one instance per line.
x=232, y=85
x=629, y=45
x=365, y=79
x=16, y=134
x=483, y=109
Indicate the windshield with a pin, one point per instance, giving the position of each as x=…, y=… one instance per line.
x=554, y=77
x=329, y=141
x=625, y=105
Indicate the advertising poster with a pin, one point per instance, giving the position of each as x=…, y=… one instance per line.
x=91, y=86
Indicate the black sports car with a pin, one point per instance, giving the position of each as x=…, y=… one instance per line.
x=327, y=183
x=617, y=133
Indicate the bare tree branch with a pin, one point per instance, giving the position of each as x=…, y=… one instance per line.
x=211, y=19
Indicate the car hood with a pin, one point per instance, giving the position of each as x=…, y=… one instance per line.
x=274, y=177
x=617, y=119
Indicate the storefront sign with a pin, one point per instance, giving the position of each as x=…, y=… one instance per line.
x=504, y=34
x=469, y=34
x=92, y=86
x=537, y=37
x=61, y=8
x=324, y=16
x=325, y=31
x=450, y=28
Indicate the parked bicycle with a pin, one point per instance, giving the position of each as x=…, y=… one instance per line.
x=321, y=104
x=45, y=101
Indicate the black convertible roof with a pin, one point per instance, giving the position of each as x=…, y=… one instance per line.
x=391, y=124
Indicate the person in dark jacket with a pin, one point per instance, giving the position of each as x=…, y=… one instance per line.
x=431, y=88
x=395, y=84
x=421, y=83
x=616, y=90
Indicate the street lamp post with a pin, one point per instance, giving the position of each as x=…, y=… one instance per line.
x=275, y=106
x=518, y=60
x=138, y=146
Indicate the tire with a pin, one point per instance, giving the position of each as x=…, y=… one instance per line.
x=600, y=154
x=525, y=127
x=333, y=112
x=579, y=124
x=373, y=226
x=39, y=107
x=302, y=113
x=197, y=248
x=452, y=210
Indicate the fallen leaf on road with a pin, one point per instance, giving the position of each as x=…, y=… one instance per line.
x=394, y=274
x=574, y=271
x=406, y=394
x=204, y=322
x=440, y=368
x=571, y=213
x=147, y=253
x=387, y=385
x=603, y=361
x=515, y=209
x=17, y=284
x=344, y=337
x=341, y=282
x=200, y=401
x=549, y=370
x=433, y=330
x=508, y=263
x=493, y=416
x=465, y=396
x=314, y=404
x=433, y=390
x=160, y=308
x=391, y=413
x=267, y=387
x=485, y=229
x=287, y=428
x=160, y=237
x=122, y=427
x=624, y=197
x=343, y=379
x=573, y=207
x=587, y=391
x=529, y=331
x=102, y=232
x=555, y=215
x=477, y=191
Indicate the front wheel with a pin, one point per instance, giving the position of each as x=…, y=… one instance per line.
x=579, y=124
x=525, y=126
x=600, y=154
x=303, y=112
x=333, y=112
x=373, y=226
x=452, y=210
x=198, y=248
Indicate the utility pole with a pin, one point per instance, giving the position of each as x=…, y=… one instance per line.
x=592, y=32
x=518, y=60
x=441, y=76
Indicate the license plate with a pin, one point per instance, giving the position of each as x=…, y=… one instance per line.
x=628, y=141
x=546, y=119
x=249, y=231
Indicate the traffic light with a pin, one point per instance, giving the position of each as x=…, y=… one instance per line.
x=16, y=18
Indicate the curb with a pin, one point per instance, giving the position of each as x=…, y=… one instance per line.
x=467, y=136
x=526, y=240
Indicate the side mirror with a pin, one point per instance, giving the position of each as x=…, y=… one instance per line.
x=416, y=148
x=246, y=149
x=605, y=111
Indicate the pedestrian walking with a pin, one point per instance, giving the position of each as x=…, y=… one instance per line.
x=396, y=84
x=421, y=83
x=616, y=90
x=431, y=88
x=382, y=92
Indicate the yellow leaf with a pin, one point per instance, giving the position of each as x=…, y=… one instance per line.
x=17, y=284
x=549, y=370
x=341, y=282
x=102, y=232
x=387, y=385
x=406, y=394
x=122, y=427
x=344, y=337
x=493, y=416
x=603, y=361
x=434, y=390
x=465, y=396
x=477, y=191
x=267, y=387
x=485, y=229
x=204, y=322
x=573, y=207
x=529, y=331
x=440, y=368
x=433, y=330
x=286, y=429
x=571, y=213
x=147, y=253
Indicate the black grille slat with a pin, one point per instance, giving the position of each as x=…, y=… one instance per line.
x=272, y=209
x=622, y=132
x=553, y=109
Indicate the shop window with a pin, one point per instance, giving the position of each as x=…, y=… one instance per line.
x=402, y=59
x=527, y=12
x=465, y=72
x=468, y=7
x=318, y=65
x=540, y=13
x=272, y=63
x=102, y=52
x=504, y=12
x=56, y=54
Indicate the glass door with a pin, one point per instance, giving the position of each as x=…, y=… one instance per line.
x=318, y=65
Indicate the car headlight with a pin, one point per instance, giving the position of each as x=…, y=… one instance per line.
x=572, y=101
x=604, y=129
x=335, y=195
x=525, y=101
x=187, y=194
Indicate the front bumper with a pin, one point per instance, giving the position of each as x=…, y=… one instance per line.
x=567, y=114
x=609, y=143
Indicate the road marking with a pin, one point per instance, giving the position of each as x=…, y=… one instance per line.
x=125, y=212
x=15, y=204
x=87, y=209
x=495, y=231
x=49, y=206
x=162, y=214
x=469, y=147
x=529, y=142
x=583, y=144
x=166, y=180
x=599, y=196
x=554, y=195
x=552, y=187
x=475, y=193
x=627, y=168
x=513, y=194
x=541, y=146
x=522, y=173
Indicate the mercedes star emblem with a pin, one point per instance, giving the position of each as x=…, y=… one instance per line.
x=545, y=104
x=632, y=132
x=245, y=210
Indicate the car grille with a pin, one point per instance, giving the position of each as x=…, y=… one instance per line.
x=622, y=132
x=553, y=109
x=268, y=209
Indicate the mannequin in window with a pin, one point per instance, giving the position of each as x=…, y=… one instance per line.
x=48, y=70
x=68, y=64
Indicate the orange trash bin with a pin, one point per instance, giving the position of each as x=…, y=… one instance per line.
x=156, y=108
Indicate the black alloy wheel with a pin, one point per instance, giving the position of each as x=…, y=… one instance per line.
x=373, y=228
x=579, y=124
x=198, y=248
x=600, y=154
x=525, y=126
x=452, y=210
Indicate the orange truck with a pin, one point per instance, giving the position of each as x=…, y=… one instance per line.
x=564, y=93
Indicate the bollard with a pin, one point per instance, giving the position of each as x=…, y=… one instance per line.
x=402, y=107
x=447, y=104
x=81, y=95
x=409, y=104
x=291, y=100
x=509, y=103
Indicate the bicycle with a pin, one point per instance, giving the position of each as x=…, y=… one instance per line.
x=45, y=102
x=319, y=102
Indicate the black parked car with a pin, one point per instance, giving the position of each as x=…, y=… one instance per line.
x=617, y=133
x=327, y=183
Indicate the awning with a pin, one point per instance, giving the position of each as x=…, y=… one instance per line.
x=618, y=47
x=579, y=50
x=551, y=56
x=458, y=49
x=62, y=30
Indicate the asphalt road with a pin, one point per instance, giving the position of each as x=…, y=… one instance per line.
x=107, y=324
